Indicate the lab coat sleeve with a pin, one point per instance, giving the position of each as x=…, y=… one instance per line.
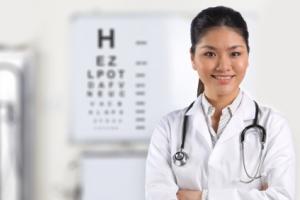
x=160, y=180
x=279, y=166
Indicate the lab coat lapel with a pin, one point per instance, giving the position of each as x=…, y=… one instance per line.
x=200, y=126
x=234, y=127
x=198, y=121
x=245, y=112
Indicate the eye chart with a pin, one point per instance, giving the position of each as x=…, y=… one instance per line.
x=127, y=71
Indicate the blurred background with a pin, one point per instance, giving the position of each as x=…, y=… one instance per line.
x=83, y=83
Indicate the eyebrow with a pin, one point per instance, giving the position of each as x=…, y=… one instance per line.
x=213, y=48
x=236, y=46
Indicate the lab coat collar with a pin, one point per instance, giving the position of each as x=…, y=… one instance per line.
x=196, y=106
x=246, y=111
x=209, y=109
x=197, y=121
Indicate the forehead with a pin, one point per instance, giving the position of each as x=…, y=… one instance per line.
x=220, y=36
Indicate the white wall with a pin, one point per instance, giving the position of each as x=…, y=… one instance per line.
x=44, y=25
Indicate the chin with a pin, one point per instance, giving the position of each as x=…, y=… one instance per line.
x=225, y=91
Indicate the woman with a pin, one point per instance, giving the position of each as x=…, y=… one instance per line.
x=210, y=155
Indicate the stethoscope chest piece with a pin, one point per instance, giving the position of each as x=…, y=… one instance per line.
x=180, y=158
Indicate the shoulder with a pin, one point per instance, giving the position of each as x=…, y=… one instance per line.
x=272, y=116
x=170, y=122
x=172, y=117
x=267, y=114
x=275, y=123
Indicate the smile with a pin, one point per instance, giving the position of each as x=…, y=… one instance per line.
x=223, y=77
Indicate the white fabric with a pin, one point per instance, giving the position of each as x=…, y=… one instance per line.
x=226, y=115
x=204, y=195
x=219, y=170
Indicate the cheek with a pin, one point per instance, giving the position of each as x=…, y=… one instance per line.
x=203, y=67
x=240, y=68
x=203, y=72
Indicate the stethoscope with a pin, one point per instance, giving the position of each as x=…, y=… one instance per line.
x=180, y=157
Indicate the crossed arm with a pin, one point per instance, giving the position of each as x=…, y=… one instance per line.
x=183, y=194
x=279, y=165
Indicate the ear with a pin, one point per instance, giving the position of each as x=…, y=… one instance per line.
x=192, y=56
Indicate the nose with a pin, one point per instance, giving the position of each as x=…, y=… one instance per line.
x=224, y=63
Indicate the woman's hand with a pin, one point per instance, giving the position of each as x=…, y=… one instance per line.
x=264, y=187
x=183, y=194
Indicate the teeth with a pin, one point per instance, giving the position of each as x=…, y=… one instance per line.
x=223, y=77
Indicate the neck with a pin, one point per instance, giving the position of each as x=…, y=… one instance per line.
x=221, y=101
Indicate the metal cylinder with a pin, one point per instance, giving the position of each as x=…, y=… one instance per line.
x=10, y=140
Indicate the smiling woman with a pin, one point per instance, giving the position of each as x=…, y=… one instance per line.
x=221, y=60
x=224, y=145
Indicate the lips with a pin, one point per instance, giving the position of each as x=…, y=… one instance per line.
x=223, y=77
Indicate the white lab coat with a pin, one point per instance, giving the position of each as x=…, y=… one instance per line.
x=219, y=169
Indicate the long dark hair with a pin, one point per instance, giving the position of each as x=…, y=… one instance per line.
x=212, y=17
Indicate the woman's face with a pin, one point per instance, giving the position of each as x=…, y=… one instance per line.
x=221, y=60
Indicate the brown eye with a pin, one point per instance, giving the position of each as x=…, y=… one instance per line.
x=209, y=54
x=235, y=54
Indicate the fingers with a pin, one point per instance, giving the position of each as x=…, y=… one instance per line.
x=183, y=194
x=264, y=187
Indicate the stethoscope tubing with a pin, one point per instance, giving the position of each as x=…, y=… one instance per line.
x=180, y=158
